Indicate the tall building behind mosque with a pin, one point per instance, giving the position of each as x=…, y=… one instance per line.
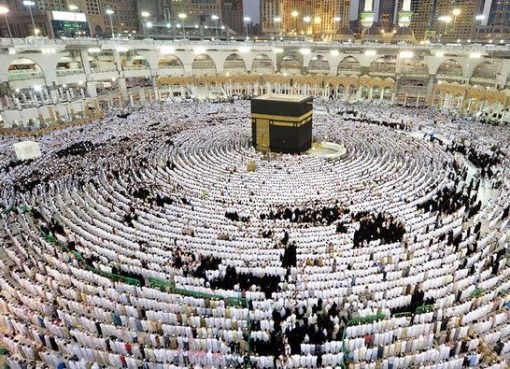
x=441, y=19
x=198, y=12
x=70, y=18
x=319, y=19
x=494, y=19
x=445, y=19
x=66, y=18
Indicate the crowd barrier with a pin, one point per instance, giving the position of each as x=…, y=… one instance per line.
x=366, y=319
x=3, y=353
x=170, y=287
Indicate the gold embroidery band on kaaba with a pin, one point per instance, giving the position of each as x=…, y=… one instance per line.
x=291, y=124
x=282, y=118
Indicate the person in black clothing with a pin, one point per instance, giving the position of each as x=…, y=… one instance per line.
x=289, y=258
x=377, y=227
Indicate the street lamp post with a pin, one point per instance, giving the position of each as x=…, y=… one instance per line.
x=446, y=19
x=278, y=20
x=74, y=8
x=4, y=10
x=182, y=17
x=316, y=27
x=294, y=15
x=307, y=19
x=110, y=14
x=145, y=15
x=456, y=12
x=29, y=4
x=246, y=22
x=215, y=18
x=169, y=28
x=480, y=19
x=149, y=26
x=200, y=31
x=336, y=20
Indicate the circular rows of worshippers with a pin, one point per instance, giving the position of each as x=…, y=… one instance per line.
x=142, y=241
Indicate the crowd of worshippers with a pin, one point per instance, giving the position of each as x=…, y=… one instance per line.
x=483, y=161
x=78, y=148
x=82, y=160
x=325, y=215
x=377, y=227
x=450, y=199
x=234, y=216
x=13, y=164
x=151, y=196
x=312, y=324
x=289, y=258
x=491, y=118
x=197, y=265
x=362, y=117
x=308, y=322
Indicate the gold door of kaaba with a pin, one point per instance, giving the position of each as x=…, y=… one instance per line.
x=262, y=134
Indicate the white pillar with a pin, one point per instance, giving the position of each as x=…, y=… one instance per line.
x=116, y=57
x=91, y=89
x=123, y=87
x=85, y=62
x=156, y=91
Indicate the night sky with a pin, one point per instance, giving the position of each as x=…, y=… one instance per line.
x=251, y=9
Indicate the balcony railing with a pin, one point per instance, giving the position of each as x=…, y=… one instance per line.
x=348, y=71
x=262, y=64
x=381, y=74
x=21, y=75
x=135, y=67
x=170, y=66
x=171, y=70
x=483, y=80
x=267, y=45
x=414, y=75
x=112, y=68
x=69, y=72
x=413, y=90
x=234, y=64
x=449, y=77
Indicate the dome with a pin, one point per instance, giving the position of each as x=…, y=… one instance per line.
x=374, y=33
x=404, y=31
x=374, y=30
x=404, y=34
x=345, y=31
x=344, y=34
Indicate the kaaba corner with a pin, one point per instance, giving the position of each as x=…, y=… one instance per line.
x=282, y=123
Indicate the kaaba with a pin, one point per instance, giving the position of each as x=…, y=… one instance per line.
x=282, y=123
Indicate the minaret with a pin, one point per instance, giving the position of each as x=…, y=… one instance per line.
x=486, y=12
x=405, y=15
x=367, y=15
